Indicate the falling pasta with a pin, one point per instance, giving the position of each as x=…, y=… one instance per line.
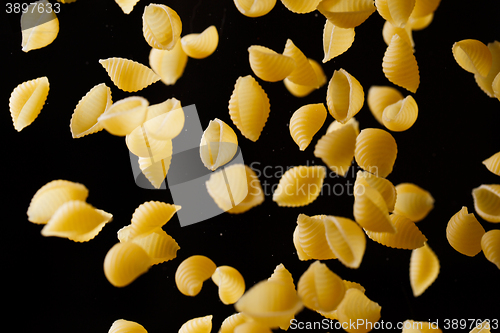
x=218, y=144
x=464, y=233
x=306, y=122
x=344, y=96
x=128, y=75
x=424, y=269
x=299, y=186
x=192, y=272
x=161, y=26
x=202, y=45
x=39, y=25
x=27, y=100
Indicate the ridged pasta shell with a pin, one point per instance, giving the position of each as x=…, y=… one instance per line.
x=249, y=107
x=128, y=75
x=490, y=244
x=344, y=96
x=299, y=90
x=269, y=65
x=348, y=285
x=233, y=321
x=229, y=186
x=335, y=125
x=155, y=171
x=389, y=30
x=252, y=327
x=311, y=238
x=336, y=148
x=397, y=12
x=486, y=82
x=283, y=275
x=159, y=246
x=416, y=23
x=168, y=125
x=356, y=307
x=424, y=269
x=27, y=100
x=230, y=282
x=464, y=233
x=376, y=151
x=301, y=6
x=122, y=326
x=303, y=73
x=254, y=8
x=379, y=97
x=77, y=221
x=161, y=26
x=197, y=325
x=218, y=144
x=141, y=144
x=473, y=56
x=413, y=202
x=51, y=196
x=370, y=211
x=346, y=240
x=255, y=194
x=410, y=326
x=425, y=7
x=401, y=115
x=39, y=26
x=301, y=254
x=271, y=303
x=305, y=122
x=400, y=65
x=127, y=5
x=124, y=263
x=168, y=64
x=192, y=272
x=336, y=40
x=87, y=111
x=407, y=235
x=124, y=116
x=346, y=13
x=149, y=216
x=487, y=202
x=290, y=191
x=201, y=45
x=493, y=163
x=383, y=186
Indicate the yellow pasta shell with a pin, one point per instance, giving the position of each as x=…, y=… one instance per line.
x=201, y=45
x=413, y=202
x=473, y=56
x=397, y=12
x=149, y=216
x=252, y=327
x=231, y=322
x=161, y=26
x=140, y=143
x=487, y=202
x=490, y=244
x=336, y=40
x=401, y=115
x=376, y=151
x=254, y=8
x=168, y=125
x=407, y=235
x=306, y=122
x=493, y=163
x=124, y=263
x=495, y=85
x=197, y=325
x=416, y=23
x=370, y=211
x=218, y=144
x=36, y=35
x=346, y=13
x=344, y=96
x=124, y=116
x=299, y=90
x=356, y=307
x=128, y=75
x=301, y=6
x=51, y=196
x=168, y=64
x=230, y=282
x=255, y=194
x=27, y=100
x=229, y=187
x=389, y=30
x=155, y=171
x=122, y=326
x=425, y=7
x=424, y=269
x=348, y=285
x=87, y=111
x=400, y=65
x=299, y=186
x=311, y=238
x=127, y=5
x=379, y=97
x=486, y=82
x=191, y=274
x=386, y=189
x=301, y=254
x=410, y=326
x=303, y=73
x=249, y=107
x=269, y=65
x=335, y=125
x=346, y=240
x=159, y=246
x=464, y=233
x=283, y=275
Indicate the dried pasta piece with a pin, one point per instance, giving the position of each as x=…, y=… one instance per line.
x=311, y=238
x=168, y=64
x=348, y=285
x=191, y=274
x=370, y=211
x=269, y=65
x=493, y=163
x=166, y=126
x=495, y=85
x=255, y=194
x=336, y=40
x=233, y=321
x=420, y=22
x=39, y=26
x=127, y=5
x=344, y=96
x=413, y=202
x=122, y=325
x=201, y=45
x=425, y=7
x=27, y=100
x=400, y=65
x=464, y=233
x=406, y=33
x=376, y=151
x=301, y=6
x=356, y=307
x=424, y=269
x=335, y=125
x=218, y=144
x=197, y=325
x=161, y=26
x=228, y=187
x=77, y=221
x=249, y=107
x=252, y=327
x=347, y=13
x=124, y=116
x=306, y=122
x=143, y=145
x=379, y=97
x=483, y=327
x=155, y=171
x=487, y=202
x=124, y=263
x=490, y=244
x=486, y=82
x=397, y=12
x=254, y=8
x=301, y=254
x=299, y=90
x=401, y=115
x=51, y=196
x=346, y=240
x=159, y=246
x=230, y=282
x=473, y=56
x=407, y=235
x=283, y=275
x=303, y=73
x=410, y=326
x=299, y=186
x=386, y=189
x=128, y=75
x=149, y=216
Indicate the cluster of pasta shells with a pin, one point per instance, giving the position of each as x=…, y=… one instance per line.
x=27, y=100
x=39, y=27
x=218, y=145
x=424, y=269
x=306, y=122
x=299, y=186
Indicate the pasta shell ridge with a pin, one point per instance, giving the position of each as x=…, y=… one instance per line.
x=218, y=144
x=413, y=202
x=124, y=263
x=311, y=234
x=229, y=187
x=36, y=35
x=282, y=274
x=346, y=13
x=487, y=202
x=493, y=163
x=159, y=246
x=230, y=282
x=197, y=325
x=400, y=65
x=128, y=75
x=192, y=272
x=149, y=216
x=424, y=269
x=490, y=244
x=161, y=26
x=202, y=45
x=344, y=96
x=27, y=100
x=269, y=65
x=464, y=233
x=299, y=186
x=233, y=321
x=306, y=122
x=122, y=117
x=376, y=151
x=473, y=56
x=168, y=64
x=254, y=8
x=301, y=254
x=407, y=235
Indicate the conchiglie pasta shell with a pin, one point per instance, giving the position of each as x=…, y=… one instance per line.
x=357, y=307
x=155, y=171
x=299, y=90
x=230, y=282
x=303, y=72
x=27, y=100
x=344, y=96
x=168, y=64
x=424, y=269
x=191, y=274
x=336, y=40
x=233, y=321
x=493, y=163
x=420, y=23
x=197, y=325
x=370, y=211
x=269, y=65
x=464, y=233
x=249, y=107
x=299, y=186
x=127, y=5
x=400, y=65
x=486, y=82
x=346, y=13
x=425, y=7
x=168, y=105
x=166, y=126
x=407, y=235
x=255, y=194
x=124, y=263
x=376, y=151
x=201, y=45
x=473, y=56
x=218, y=144
x=254, y=8
x=389, y=30
x=311, y=237
x=36, y=35
x=490, y=244
x=413, y=202
x=306, y=122
x=140, y=143
x=149, y=216
x=386, y=189
x=335, y=125
x=159, y=246
x=161, y=26
x=301, y=6
x=229, y=186
x=283, y=275
x=128, y=75
x=51, y=196
x=301, y=254
x=379, y=97
x=487, y=202
x=122, y=326
x=125, y=115
x=397, y=12
x=346, y=240
x=252, y=327
x=348, y=285
x=401, y=115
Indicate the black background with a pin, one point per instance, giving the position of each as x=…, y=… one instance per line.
x=59, y=285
